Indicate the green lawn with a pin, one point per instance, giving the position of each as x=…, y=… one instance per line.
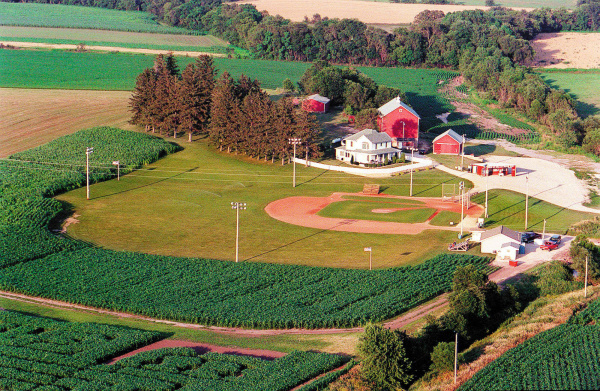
x=180, y=206
x=71, y=16
x=444, y=218
x=508, y=208
x=581, y=84
x=363, y=210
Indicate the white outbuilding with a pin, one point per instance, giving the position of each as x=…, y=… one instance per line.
x=493, y=240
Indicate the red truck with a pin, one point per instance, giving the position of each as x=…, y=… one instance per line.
x=549, y=246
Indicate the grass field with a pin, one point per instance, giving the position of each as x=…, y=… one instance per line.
x=29, y=118
x=116, y=38
x=363, y=210
x=508, y=208
x=581, y=84
x=70, y=16
x=118, y=71
x=181, y=206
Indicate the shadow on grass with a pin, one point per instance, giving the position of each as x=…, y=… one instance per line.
x=146, y=185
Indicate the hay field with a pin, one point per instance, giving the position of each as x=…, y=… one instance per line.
x=366, y=11
x=567, y=50
x=29, y=118
x=527, y=3
x=84, y=35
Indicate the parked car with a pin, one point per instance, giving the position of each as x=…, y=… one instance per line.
x=555, y=239
x=529, y=236
x=549, y=246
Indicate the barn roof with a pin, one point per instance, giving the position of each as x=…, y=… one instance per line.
x=319, y=98
x=501, y=230
x=394, y=104
x=457, y=137
x=371, y=135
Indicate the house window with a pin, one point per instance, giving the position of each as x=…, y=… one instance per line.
x=365, y=145
x=399, y=110
x=351, y=143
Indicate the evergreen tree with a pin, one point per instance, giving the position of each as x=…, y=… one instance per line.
x=194, y=95
x=142, y=99
x=223, y=104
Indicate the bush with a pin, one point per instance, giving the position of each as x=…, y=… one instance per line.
x=442, y=357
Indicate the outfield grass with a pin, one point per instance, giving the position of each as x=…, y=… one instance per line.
x=180, y=206
x=444, y=218
x=71, y=16
x=508, y=208
x=363, y=210
x=582, y=85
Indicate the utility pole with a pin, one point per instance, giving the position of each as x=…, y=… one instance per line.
x=118, y=164
x=544, y=232
x=294, y=142
x=88, y=150
x=237, y=206
x=462, y=155
x=586, y=274
x=455, y=356
x=487, y=175
x=370, y=251
x=462, y=206
x=526, y=199
x=412, y=161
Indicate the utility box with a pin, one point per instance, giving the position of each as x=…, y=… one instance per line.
x=513, y=263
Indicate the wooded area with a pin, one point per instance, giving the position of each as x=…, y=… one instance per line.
x=238, y=116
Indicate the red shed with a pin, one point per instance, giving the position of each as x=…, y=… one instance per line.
x=400, y=122
x=449, y=142
x=316, y=104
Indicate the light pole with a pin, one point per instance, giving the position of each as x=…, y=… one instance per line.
x=461, y=187
x=237, y=206
x=487, y=175
x=88, y=150
x=370, y=251
x=455, y=356
x=294, y=142
x=412, y=161
x=526, y=199
x=118, y=164
x=462, y=154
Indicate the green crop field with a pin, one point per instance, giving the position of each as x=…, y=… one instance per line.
x=42, y=353
x=118, y=71
x=71, y=16
x=563, y=358
x=247, y=294
x=508, y=208
x=111, y=37
x=581, y=84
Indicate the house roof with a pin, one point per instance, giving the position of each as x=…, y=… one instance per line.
x=371, y=135
x=319, y=98
x=510, y=244
x=394, y=104
x=501, y=230
x=457, y=137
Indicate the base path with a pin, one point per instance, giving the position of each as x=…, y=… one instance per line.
x=303, y=211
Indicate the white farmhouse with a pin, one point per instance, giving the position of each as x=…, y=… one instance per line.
x=366, y=146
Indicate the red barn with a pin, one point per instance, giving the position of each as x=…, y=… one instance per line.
x=316, y=104
x=449, y=143
x=400, y=122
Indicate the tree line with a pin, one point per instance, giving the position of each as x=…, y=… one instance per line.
x=235, y=115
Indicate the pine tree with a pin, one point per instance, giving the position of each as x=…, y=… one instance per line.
x=256, y=123
x=196, y=86
x=223, y=104
x=142, y=99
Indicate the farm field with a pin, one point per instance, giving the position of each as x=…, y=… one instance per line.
x=563, y=358
x=41, y=352
x=508, y=208
x=116, y=37
x=525, y=3
x=178, y=185
x=74, y=17
x=576, y=50
x=581, y=84
x=29, y=118
x=365, y=11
